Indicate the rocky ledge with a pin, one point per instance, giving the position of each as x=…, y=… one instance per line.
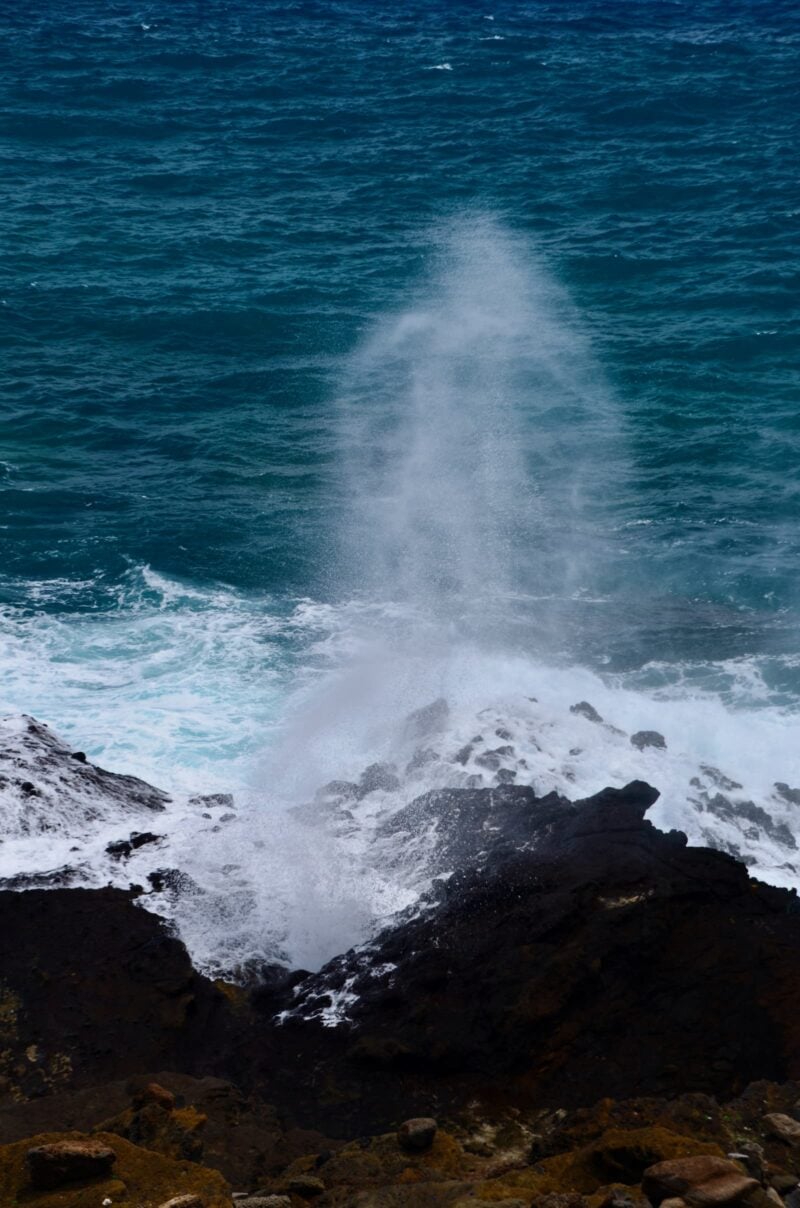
x=590, y=1013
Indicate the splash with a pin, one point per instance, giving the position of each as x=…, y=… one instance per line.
x=475, y=427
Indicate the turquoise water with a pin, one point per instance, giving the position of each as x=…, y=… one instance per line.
x=216, y=216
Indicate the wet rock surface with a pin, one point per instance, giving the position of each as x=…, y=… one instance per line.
x=42, y=775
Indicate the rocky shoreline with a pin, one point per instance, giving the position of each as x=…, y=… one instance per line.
x=588, y=1013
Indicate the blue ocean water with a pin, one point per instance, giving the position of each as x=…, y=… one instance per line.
x=220, y=222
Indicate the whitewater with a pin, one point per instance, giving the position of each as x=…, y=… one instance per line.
x=475, y=629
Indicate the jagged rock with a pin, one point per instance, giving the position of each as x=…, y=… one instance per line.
x=789, y=794
x=648, y=738
x=669, y=968
x=430, y=719
x=58, y=1162
x=123, y=848
x=784, y=1127
x=44, y=779
x=719, y=778
x=54, y=878
x=584, y=709
x=212, y=800
x=417, y=1135
x=378, y=777
x=700, y=1180
x=747, y=811
x=422, y=757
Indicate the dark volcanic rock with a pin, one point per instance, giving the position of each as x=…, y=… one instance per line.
x=93, y=987
x=123, y=848
x=648, y=738
x=608, y=959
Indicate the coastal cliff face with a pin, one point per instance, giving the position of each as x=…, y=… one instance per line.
x=578, y=957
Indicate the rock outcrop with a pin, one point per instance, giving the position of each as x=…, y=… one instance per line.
x=607, y=958
x=94, y=988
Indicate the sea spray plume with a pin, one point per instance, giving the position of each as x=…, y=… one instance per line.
x=476, y=434
x=471, y=428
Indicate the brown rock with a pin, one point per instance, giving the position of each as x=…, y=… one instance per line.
x=417, y=1135
x=700, y=1180
x=784, y=1127
x=63, y=1162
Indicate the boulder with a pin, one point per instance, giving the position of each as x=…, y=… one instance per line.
x=378, y=777
x=699, y=1181
x=783, y=1127
x=648, y=738
x=417, y=1135
x=58, y=1162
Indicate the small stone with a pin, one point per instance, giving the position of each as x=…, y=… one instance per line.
x=306, y=1186
x=700, y=1180
x=648, y=738
x=63, y=1162
x=783, y=1127
x=417, y=1135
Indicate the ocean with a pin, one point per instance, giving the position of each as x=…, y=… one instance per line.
x=360, y=356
